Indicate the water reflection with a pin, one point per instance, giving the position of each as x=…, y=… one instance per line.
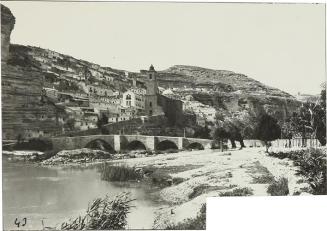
x=57, y=194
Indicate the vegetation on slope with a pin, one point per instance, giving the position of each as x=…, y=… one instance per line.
x=279, y=187
x=312, y=165
x=197, y=223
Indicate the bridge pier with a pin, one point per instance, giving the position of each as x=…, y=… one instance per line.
x=150, y=143
x=117, y=143
x=180, y=143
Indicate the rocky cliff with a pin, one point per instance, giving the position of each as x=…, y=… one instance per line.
x=228, y=90
x=24, y=113
x=7, y=25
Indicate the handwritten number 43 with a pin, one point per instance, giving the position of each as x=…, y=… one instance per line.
x=21, y=222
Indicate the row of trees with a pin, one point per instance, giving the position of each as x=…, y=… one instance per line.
x=309, y=121
x=265, y=129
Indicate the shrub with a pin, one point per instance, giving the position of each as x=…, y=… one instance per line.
x=161, y=178
x=178, y=180
x=279, y=187
x=157, y=176
x=238, y=192
x=198, y=190
x=119, y=173
x=265, y=179
x=312, y=166
x=102, y=214
x=197, y=223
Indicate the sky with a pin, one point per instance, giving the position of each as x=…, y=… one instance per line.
x=281, y=45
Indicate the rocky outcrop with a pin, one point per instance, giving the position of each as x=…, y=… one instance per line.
x=7, y=25
x=24, y=112
x=229, y=90
x=222, y=80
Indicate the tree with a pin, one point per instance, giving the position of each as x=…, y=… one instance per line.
x=230, y=127
x=267, y=129
x=71, y=124
x=311, y=119
x=102, y=120
x=319, y=118
x=219, y=135
x=202, y=132
x=234, y=134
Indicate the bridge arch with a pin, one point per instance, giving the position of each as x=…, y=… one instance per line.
x=166, y=145
x=135, y=145
x=100, y=144
x=195, y=145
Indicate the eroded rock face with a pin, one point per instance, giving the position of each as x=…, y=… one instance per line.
x=24, y=113
x=7, y=25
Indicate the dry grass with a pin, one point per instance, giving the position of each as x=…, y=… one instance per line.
x=238, y=192
x=102, y=214
x=119, y=173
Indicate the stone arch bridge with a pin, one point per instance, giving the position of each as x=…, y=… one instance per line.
x=125, y=142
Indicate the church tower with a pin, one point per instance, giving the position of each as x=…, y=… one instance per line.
x=151, y=82
x=151, y=98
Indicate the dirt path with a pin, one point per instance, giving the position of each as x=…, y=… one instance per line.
x=208, y=173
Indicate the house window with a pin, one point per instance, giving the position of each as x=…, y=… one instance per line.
x=128, y=97
x=150, y=112
x=150, y=76
x=150, y=104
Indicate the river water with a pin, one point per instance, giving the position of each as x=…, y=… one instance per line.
x=51, y=195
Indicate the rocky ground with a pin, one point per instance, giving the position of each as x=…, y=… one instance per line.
x=207, y=173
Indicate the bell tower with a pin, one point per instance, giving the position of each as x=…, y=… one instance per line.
x=151, y=82
x=151, y=104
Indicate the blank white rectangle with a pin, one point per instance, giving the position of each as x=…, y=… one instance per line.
x=267, y=213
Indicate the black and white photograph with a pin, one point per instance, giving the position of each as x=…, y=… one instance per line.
x=129, y=115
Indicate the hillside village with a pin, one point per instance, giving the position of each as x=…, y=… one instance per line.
x=70, y=95
x=85, y=93
x=89, y=92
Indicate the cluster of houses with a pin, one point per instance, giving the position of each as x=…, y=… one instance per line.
x=99, y=91
x=99, y=99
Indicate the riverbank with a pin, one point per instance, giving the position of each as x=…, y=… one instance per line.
x=187, y=178
x=211, y=173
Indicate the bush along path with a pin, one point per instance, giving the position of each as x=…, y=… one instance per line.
x=311, y=164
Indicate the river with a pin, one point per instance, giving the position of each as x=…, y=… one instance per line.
x=51, y=195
